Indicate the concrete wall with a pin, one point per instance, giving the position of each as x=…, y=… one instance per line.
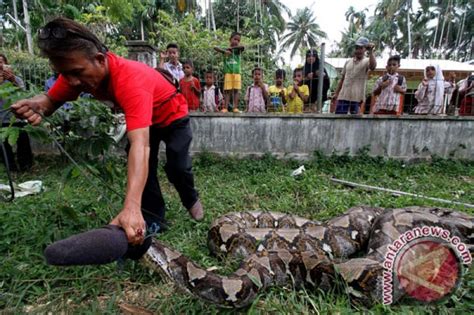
x=298, y=136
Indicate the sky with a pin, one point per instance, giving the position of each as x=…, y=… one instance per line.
x=330, y=15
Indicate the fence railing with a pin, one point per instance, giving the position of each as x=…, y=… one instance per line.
x=456, y=100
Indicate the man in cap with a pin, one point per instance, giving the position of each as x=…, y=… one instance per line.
x=350, y=92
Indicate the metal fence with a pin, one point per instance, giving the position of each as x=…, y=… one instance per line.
x=34, y=76
x=456, y=100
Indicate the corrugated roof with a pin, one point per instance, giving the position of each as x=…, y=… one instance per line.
x=411, y=64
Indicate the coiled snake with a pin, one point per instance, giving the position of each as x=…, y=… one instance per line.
x=281, y=249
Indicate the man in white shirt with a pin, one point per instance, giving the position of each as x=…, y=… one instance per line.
x=172, y=65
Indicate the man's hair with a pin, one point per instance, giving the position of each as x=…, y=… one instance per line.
x=395, y=58
x=172, y=45
x=257, y=69
x=188, y=62
x=63, y=36
x=296, y=71
x=234, y=34
x=4, y=58
x=210, y=72
x=280, y=73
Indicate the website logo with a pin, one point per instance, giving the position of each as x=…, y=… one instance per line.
x=425, y=263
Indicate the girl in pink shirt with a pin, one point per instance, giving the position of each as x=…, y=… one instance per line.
x=257, y=94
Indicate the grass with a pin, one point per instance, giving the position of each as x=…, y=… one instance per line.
x=29, y=224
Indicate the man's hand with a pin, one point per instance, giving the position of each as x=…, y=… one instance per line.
x=8, y=75
x=31, y=109
x=370, y=47
x=398, y=89
x=310, y=76
x=131, y=220
x=385, y=83
x=228, y=52
x=295, y=86
x=424, y=82
x=452, y=77
x=163, y=55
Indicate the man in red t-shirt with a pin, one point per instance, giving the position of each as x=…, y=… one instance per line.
x=154, y=112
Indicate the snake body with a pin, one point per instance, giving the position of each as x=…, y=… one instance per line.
x=280, y=249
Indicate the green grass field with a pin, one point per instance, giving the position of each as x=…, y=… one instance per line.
x=70, y=206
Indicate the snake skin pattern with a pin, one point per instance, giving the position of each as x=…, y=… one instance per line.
x=282, y=249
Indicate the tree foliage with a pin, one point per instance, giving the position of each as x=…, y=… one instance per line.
x=439, y=29
x=302, y=32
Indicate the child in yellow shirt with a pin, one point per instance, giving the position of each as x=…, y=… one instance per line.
x=298, y=93
x=277, y=92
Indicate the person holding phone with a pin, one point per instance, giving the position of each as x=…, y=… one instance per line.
x=7, y=75
x=389, y=88
x=24, y=154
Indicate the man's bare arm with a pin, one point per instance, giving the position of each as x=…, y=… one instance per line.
x=131, y=218
x=31, y=109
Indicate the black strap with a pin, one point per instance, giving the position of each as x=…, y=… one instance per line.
x=172, y=80
x=216, y=95
x=169, y=77
x=400, y=80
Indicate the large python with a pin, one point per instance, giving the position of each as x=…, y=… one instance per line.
x=280, y=249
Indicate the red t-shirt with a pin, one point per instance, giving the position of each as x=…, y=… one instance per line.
x=137, y=88
x=192, y=97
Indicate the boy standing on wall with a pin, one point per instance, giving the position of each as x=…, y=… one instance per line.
x=232, y=77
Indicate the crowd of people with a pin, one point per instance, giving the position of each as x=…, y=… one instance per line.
x=350, y=96
x=433, y=95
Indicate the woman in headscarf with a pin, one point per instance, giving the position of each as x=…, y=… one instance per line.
x=311, y=77
x=430, y=92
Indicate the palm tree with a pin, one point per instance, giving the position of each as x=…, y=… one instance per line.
x=421, y=36
x=274, y=10
x=453, y=32
x=302, y=32
x=356, y=20
x=385, y=24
